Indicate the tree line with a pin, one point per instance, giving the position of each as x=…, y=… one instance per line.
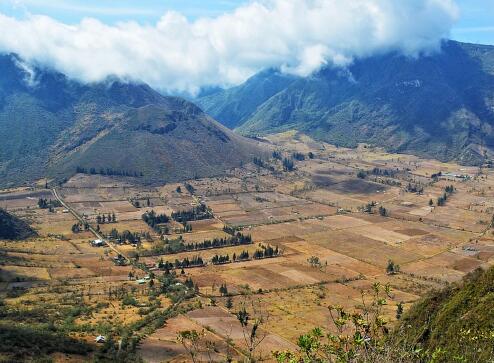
x=49, y=204
x=218, y=259
x=153, y=220
x=195, y=214
x=195, y=261
x=128, y=236
x=448, y=190
x=177, y=245
x=108, y=171
x=103, y=218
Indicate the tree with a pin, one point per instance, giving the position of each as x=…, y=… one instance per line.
x=314, y=261
x=42, y=203
x=399, y=310
x=229, y=302
x=431, y=202
x=383, y=211
x=288, y=164
x=251, y=322
x=392, y=268
x=368, y=208
x=190, y=341
x=223, y=290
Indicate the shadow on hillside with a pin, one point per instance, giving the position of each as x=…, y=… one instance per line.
x=22, y=341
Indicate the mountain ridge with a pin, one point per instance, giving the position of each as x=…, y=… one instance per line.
x=13, y=228
x=439, y=105
x=52, y=125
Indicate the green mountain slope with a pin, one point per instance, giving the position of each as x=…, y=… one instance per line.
x=234, y=106
x=13, y=228
x=440, y=105
x=455, y=324
x=50, y=125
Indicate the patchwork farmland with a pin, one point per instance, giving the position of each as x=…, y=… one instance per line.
x=283, y=244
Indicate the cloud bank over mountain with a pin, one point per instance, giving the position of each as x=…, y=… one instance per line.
x=179, y=55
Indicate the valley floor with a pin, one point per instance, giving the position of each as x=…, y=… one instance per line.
x=337, y=219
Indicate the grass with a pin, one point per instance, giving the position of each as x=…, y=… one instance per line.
x=454, y=323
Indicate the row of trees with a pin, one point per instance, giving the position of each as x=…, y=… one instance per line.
x=259, y=162
x=230, y=230
x=298, y=156
x=153, y=220
x=128, y=237
x=195, y=261
x=190, y=188
x=277, y=155
x=384, y=172
x=79, y=227
x=288, y=164
x=108, y=171
x=220, y=259
x=244, y=256
x=187, y=227
x=266, y=252
x=177, y=245
x=413, y=188
x=195, y=214
x=362, y=174
x=44, y=203
x=103, y=218
x=237, y=240
x=443, y=198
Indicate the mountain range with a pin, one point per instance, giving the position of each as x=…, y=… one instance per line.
x=54, y=126
x=438, y=105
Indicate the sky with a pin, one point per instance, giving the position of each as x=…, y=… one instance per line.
x=476, y=22
x=112, y=11
x=475, y=25
x=184, y=45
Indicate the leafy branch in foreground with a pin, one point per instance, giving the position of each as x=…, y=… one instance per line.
x=353, y=337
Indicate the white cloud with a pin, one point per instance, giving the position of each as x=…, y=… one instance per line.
x=29, y=72
x=178, y=55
